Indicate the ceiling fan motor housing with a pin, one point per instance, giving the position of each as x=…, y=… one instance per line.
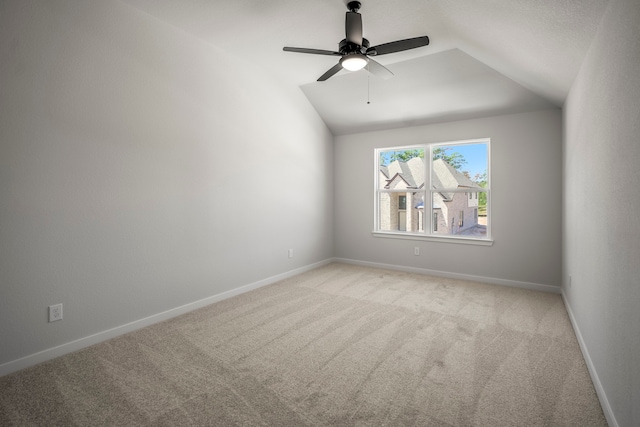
x=345, y=47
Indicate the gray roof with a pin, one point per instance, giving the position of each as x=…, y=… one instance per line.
x=450, y=177
x=412, y=172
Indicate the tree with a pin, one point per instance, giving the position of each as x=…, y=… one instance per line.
x=455, y=159
x=481, y=180
x=403, y=156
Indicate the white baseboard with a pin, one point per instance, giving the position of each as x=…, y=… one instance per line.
x=60, y=350
x=482, y=279
x=602, y=396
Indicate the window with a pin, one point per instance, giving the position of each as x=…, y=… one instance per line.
x=402, y=202
x=451, y=179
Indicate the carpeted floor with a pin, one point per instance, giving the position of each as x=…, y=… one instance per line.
x=341, y=345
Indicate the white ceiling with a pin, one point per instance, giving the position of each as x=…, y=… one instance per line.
x=486, y=56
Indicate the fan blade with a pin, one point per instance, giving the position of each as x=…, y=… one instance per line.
x=398, y=46
x=312, y=51
x=378, y=70
x=353, y=26
x=333, y=70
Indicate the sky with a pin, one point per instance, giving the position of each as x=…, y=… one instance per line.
x=476, y=156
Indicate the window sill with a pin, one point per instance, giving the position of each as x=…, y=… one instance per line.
x=440, y=239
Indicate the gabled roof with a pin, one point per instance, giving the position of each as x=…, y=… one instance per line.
x=450, y=177
x=412, y=172
x=444, y=177
x=393, y=182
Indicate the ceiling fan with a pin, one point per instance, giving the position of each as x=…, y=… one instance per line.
x=354, y=50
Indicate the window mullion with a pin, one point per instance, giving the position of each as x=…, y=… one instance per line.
x=428, y=228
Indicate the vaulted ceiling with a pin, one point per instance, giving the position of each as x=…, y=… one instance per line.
x=486, y=57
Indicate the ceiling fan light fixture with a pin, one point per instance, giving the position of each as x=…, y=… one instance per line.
x=354, y=62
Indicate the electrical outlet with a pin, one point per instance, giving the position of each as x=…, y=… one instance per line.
x=416, y=251
x=290, y=253
x=55, y=312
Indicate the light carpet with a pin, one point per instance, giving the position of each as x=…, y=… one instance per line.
x=341, y=345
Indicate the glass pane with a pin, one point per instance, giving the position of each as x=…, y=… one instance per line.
x=461, y=169
x=392, y=218
x=460, y=166
x=456, y=214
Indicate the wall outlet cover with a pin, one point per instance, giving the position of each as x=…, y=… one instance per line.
x=55, y=312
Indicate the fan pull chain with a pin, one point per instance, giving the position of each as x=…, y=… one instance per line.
x=368, y=86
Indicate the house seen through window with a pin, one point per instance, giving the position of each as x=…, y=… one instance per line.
x=449, y=179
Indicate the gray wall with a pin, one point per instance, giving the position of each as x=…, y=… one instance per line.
x=602, y=208
x=142, y=169
x=526, y=204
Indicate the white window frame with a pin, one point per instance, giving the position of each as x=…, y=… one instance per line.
x=427, y=191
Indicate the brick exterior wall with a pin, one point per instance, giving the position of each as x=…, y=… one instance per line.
x=448, y=212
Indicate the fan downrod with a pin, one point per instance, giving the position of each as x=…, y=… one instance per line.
x=354, y=6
